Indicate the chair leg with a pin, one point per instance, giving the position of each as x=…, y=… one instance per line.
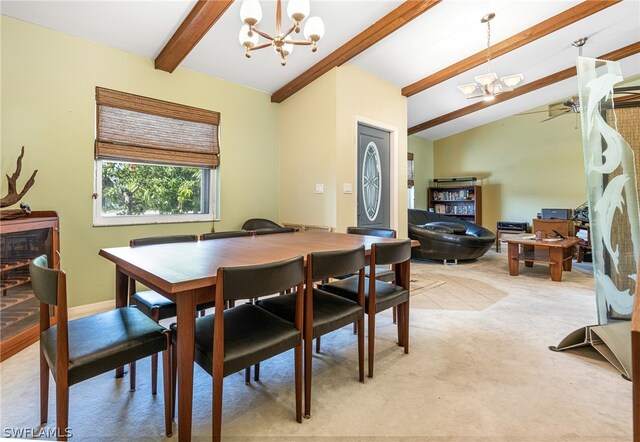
x=308, y=348
x=318, y=344
x=394, y=313
x=154, y=374
x=132, y=376
x=247, y=375
x=298, y=381
x=155, y=315
x=361, y=350
x=217, y=406
x=371, y=329
x=174, y=379
x=400, y=326
x=256, y=372
x=406, y=327
x=44, y=389
x=355, y=327
x=62, y=408
x=166, y=387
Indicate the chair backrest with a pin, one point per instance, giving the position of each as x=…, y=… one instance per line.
x=324, y=265
x=50, y=287
x=259, y=280
x=260, y=223
x=372, y=231
x=391, y=252
x=274, y=230
x=44, y=280
x=153, y=240
x=220, y=235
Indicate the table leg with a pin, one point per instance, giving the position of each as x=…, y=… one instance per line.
x=513, y=252
x=568, y=255
x=528, y=248
x=122, y=300
x=555, y=267
x=186, y=309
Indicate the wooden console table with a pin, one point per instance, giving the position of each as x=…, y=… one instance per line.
x=558, y=254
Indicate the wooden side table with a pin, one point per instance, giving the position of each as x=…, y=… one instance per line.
x=558, y=255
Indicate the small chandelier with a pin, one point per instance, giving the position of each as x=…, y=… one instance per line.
x=488, y=86
x=297, y=10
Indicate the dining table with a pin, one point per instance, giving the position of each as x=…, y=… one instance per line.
x=186, y=274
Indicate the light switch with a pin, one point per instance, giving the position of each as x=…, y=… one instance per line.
x=347, y=188
x=319, y=188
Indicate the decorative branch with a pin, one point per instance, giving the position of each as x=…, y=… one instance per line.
x=13, y=196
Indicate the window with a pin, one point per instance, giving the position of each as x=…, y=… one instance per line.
x=155, y=161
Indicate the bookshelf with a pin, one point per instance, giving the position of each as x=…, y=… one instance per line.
x=464, y=202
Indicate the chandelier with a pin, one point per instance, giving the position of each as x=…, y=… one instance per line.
x=488, y=86
x=297, y=10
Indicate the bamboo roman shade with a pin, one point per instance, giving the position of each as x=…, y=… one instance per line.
x=141, y=129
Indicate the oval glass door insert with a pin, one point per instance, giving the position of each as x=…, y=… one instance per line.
x=371, y=179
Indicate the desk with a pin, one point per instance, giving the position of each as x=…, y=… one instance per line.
x=186, y=274
x=558, y=255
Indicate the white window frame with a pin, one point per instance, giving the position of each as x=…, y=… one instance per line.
x=124, y=220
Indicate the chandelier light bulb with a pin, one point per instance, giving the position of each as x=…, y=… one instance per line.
x=489, y=97
x=298, y=10
x=287, y=48
x=251, y=12
x=314, y=29
x=247, y=38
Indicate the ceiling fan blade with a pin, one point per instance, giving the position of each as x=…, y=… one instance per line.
x=565, y=112
x=532, y=112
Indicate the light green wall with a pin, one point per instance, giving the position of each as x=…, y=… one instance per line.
x=525, y=165
x=308, y=154
x=422, y=150
x=318, y=128
x=48, y=105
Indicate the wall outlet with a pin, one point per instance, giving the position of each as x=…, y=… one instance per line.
x=347, y=188
x=319, y=188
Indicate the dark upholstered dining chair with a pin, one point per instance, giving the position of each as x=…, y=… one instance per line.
x=381, y=295
x=383, y=273
x=325, y=312
x=237, y=338
x=153, y=304
x=80, y=349
x=261, y=226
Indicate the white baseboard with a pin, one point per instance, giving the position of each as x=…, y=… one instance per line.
x=91, y=309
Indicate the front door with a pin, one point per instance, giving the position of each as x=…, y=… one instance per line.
x=373, y=177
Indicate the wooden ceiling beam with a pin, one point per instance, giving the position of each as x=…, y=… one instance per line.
x=559, y=21
x=619, y=54
x=388, y=24
x=201, y=18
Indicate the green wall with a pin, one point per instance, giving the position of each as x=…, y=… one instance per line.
x=524, y=165
x=48, y=105
x=422, y=150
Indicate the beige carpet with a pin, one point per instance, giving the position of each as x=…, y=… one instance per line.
x=473, y=374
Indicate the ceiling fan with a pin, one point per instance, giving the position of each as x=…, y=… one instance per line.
x=623, y=97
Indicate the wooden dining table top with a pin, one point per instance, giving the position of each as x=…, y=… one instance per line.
x=177, y=267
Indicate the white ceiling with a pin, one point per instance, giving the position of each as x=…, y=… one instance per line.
x=447, y=33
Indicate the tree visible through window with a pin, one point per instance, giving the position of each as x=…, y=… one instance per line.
x=142, y=189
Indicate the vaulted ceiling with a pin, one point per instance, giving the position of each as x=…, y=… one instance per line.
x=425, y=48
